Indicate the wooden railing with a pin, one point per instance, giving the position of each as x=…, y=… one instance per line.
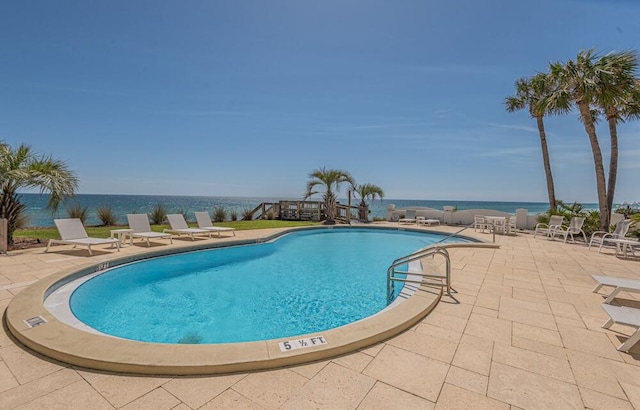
x=302, y=211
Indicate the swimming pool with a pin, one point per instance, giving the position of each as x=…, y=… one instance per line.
x=304, y=282
x=61, y=336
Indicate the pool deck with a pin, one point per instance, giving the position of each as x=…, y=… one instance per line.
x=525, y=334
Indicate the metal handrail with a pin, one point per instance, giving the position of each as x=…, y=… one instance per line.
x=428, y=251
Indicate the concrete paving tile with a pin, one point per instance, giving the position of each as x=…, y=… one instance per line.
x=373, y=350
x=467, y=380
x=453, y=397
x=158, y=399
x=521, y=284
x=425, y=345
x=196, y=391
x=484, y=311
x=564, y=309
x=549, y=366
x=311, y=369
x=539, y=347
x=76, y=396
x=536, y=333
x=439, y=332
x=270, y=389
x=527, y=317
x=458, y=310
x=334, y=387
x=120, y=389
x=384, y=397
x=595, y=373
x=488, y=301
x=566, y=323
x=590, y=342
x=26, y=365
x=37, y=388
x=474, y=354
x=408, y=371
x=531, y=391
x=7, y=381
x=598, y=401
x=181, y=406
x=633, y=393
x=231, y=400
x=436, y=318
x=495, y=329
x=355, y=361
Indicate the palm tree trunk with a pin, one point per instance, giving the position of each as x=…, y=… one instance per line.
x=587, y=120
x=330, y=208
x=547, y=164
x=613, y=161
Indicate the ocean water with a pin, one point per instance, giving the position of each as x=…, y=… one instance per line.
x=121, y=205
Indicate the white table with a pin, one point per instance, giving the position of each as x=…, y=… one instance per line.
x=624, y=245
x=122, y=234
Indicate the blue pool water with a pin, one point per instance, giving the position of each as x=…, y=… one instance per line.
x=304, y=282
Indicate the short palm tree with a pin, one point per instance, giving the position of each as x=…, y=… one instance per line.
x=367, y=192
x=22, y=168
x=529, y=93
x=329, y=180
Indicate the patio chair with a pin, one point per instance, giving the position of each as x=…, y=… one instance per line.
x=574, y=228
x=204, y=222
x=72, y=232
x=479, y=222
x=546, y=229
x=619, y=285
x=625, y=316
x=139, y=224
x=602, y=237
x=409, y=217
x=179, y=226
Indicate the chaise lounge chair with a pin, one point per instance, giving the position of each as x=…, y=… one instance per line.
x=574, y=228
x=625, y=316
x=409, y=217
x=179, y=226
x=602, y=237
x=72, y=232
x=547, y=229
x=620, y=284
x=204, y=222
x=139, y=224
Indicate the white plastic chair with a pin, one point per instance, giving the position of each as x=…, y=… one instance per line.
x=546, y=229
x=601, y=237
x=409, y=217
x=479, y=222
x=179, y=226
x=139, y=224
x=72, y=232
x=574, y=228
x=204, y=222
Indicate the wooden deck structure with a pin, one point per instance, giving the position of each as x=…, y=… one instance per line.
x=304, y=211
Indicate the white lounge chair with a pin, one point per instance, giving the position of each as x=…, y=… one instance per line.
x=409, y=217
x=72, y=232
x=574, y=228
x=179, y=226
x=204, y=222
x=619, y=285
x=421, y=220
x=625, y=316
x=139, y=224
x=554, y=222
x=602, y=237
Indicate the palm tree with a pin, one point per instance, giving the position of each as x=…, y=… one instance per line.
x=22, y=168
x=329, y=180
x=589, y=81
x=529, y=94
x=367, y=192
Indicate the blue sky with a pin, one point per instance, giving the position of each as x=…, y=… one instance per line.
x=231, y=98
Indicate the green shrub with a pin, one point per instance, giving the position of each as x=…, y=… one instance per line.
x=247, y=214
x=233, y=215
x=219, y=214
x=591, y=221
x=106, y=216
x=77, y=211
x=158, y=215
x=271, y=215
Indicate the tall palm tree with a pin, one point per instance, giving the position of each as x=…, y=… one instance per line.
x=367, y=192
x=529, y=94
x=619, y=100
x=329, y=180
x=587, y=82
x=22, y=168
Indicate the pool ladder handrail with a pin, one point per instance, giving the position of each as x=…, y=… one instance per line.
x=430, y=250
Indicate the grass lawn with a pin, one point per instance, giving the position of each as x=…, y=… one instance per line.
x=104, y=231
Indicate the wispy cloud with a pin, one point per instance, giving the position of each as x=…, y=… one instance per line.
x=515, y=127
